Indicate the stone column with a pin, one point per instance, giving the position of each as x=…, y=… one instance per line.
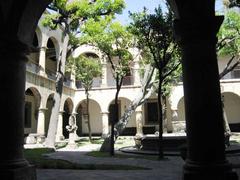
x=139, y=122
x=73, y=80
x=59, y=135
x=104, y=75
x=41, y=121
x=41, y=125
x=196, y=30
x=105, y=124
x=174, y=119
x=42, y=60
x=169, y=123
x=136, y=74
x=13, y=165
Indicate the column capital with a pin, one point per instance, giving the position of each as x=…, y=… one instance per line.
x=195, y=31
x=43, y=48
x=138, y=109
x=74, y=113
x=61, y=112
x=104, y=112
x=43, y=109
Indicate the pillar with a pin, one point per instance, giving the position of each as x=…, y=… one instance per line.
x=41, y=121
x=42, y=60
x=196, y=30
x=73, y=80
x=136, y=74
x=175, y=120
x=13, y=165
x=105, y=124
x=139, y=122
x=104, y=75
x=169, y=124
x=59, y=135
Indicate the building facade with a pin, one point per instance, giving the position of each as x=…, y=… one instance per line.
x=40, y=87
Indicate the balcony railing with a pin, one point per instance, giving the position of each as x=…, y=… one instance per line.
x=67, y=82
x=96, y=82
x=51, y=74
x=33, y=67
x=79, y=85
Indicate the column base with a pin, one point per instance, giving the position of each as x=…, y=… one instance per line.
x=197, y=171
x=23, y=173
x=59, y=138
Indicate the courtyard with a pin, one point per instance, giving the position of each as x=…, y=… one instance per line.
x=96, y=165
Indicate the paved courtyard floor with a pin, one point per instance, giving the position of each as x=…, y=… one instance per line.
x=169, y=169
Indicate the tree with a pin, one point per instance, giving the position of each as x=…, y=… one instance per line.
x=86, y=69
x=229, y=41
x=113, y=40
x=69, y=16
x=229, y=46
x=155, y=35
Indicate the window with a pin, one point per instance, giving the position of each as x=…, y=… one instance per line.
x=151, y=112
x=28, y=115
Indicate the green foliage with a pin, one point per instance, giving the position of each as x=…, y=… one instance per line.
x=85, y=69
x=112, y=39
x=229, y=35
x=70, y=15
x=154, y=35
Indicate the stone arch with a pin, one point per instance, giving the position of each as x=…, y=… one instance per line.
x=231, y=103
x=33, y=57
x=67, y=111
x=38, y=34
x=32, y=104
x=49, y=106
x=51, y=58
x=122, y=106
x=97, y=80
x=88, y=49
x=95, y=117
x=27, y=21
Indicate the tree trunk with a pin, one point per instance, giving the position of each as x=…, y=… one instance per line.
x=160, y=119
x=114, y=121
x=146, y=92
x=51, y=134
x=88, y=118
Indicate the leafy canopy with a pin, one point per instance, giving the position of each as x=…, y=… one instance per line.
x=85, y=69
x=112, y=39
x=71, y=14
x=229, y=35
x=154, y=36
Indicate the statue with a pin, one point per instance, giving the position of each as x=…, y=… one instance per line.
x=72, y=128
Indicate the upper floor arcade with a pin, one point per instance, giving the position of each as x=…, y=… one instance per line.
x=46, y=49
